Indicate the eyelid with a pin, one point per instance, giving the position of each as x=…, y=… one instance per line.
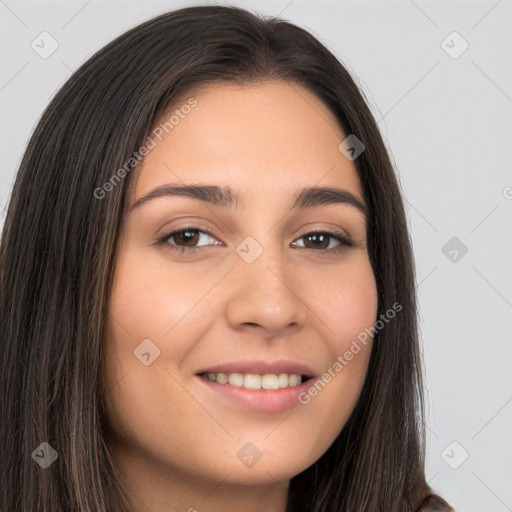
x=163, y=239
x=345, y=241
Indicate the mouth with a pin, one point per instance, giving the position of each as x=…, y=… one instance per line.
x=256, y=381
x=262, y=386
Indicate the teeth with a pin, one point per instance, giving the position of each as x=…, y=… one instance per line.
x=222, y=378
x=293, y=380
x=270, y=382
x=255, y=381
x=252, y=381
x=282, y=380
x=236, y=379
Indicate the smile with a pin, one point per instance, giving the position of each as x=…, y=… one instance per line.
x=255, y=381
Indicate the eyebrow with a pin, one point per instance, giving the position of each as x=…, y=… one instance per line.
x=308, y=197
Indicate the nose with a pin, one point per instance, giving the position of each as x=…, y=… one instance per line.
x=263, y=296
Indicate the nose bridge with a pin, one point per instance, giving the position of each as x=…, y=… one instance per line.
x=263, y=291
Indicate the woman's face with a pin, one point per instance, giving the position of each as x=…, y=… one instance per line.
x=254, y=291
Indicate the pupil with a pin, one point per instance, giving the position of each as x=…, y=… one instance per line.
x=317, y=238
x=188, y=237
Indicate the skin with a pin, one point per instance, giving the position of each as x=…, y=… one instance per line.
x=174, y=440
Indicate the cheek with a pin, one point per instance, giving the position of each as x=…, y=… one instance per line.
x=348, y=313
x=150, y=302
x=142, y=402
x=346, y=303
x=148, y=297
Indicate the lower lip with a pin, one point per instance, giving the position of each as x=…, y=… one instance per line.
x=260, y=400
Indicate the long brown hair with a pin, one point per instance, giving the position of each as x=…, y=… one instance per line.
x=58, y=248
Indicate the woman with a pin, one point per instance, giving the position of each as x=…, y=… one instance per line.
x=275, y=367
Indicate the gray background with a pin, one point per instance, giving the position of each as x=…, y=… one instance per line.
x=447, y=121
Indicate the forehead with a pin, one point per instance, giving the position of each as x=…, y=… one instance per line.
x=276, y=136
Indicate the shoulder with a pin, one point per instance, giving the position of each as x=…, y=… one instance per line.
x=434, y=503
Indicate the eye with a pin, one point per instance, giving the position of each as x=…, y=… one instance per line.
x=187, y=239
x=321, y=240
x=189, y=236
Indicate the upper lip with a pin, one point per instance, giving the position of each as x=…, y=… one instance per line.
x=261, y=367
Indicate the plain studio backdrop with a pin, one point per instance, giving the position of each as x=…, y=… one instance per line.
x=438, y=78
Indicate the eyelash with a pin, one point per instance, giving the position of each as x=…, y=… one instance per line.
x=345, y=242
